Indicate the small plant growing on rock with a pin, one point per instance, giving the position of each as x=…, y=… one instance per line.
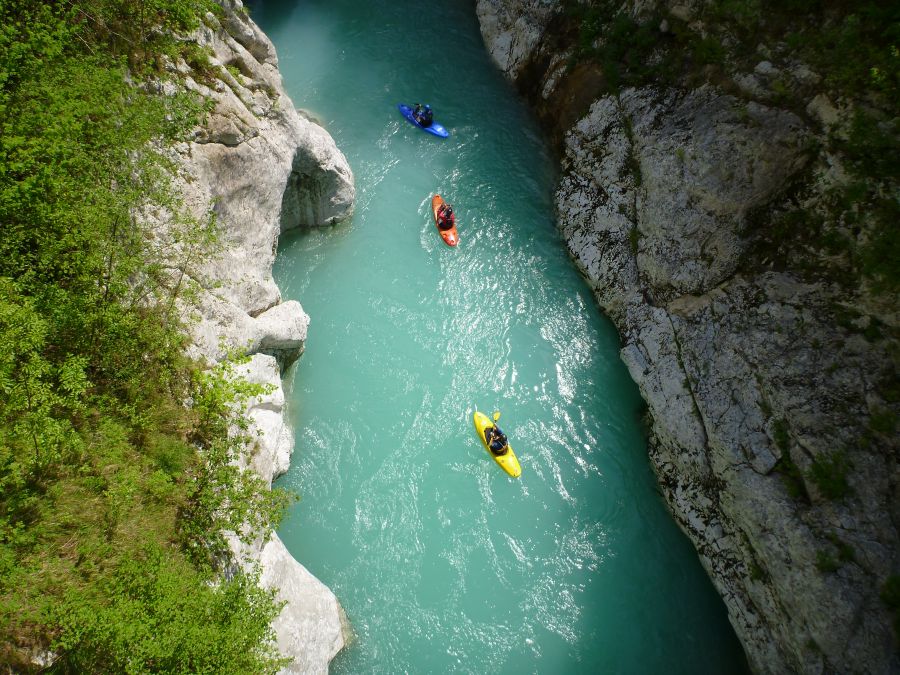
x=829, y=473
x=757, y=573
x=826, y=563
x=890, y=596
x=234, y=70
x=634, y=238
x=792, y=477
x=780, y=432
x=883, y=421
x=846, y=552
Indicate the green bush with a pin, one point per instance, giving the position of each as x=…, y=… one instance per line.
x=113, y=493
x=883, y=421
x=156, y=613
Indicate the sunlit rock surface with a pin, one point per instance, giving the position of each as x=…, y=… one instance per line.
x=258, y=168
x=755, y=374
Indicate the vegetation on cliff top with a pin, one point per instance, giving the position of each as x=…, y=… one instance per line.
x=114, y=492
x=853, y=49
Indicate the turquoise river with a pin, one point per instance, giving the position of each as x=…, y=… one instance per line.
x=443, y=562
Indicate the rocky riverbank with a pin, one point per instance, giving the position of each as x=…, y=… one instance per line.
x=260, y=169
x=770, y=377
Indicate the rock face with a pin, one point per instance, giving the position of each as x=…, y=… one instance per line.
x=259, y=168
x=764, y=385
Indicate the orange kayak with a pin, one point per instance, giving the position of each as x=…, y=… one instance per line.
x=451, y=236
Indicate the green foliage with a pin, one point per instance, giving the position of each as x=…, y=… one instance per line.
x=101, y=461
x=634, y=239
x=782, y=438
x=872, y=146
x=623, y=47
x=853, y=44
x=792, y=477
x=156, y=613
x=880, y=255
x=829, y=473
x=872, y=151
x=40, y=395
x=858, y=51
x=631, y=160
x=221, y=496
x=743, y=14
x=826, y=563
x=708, y=50
x=845, y=551
x=757, y=573
x=883, y=421
x=890, y=596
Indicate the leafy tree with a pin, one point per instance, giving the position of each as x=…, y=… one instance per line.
x=158, y=614
x=114, y=492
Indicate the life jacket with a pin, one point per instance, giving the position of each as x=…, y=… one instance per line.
x=445, y=218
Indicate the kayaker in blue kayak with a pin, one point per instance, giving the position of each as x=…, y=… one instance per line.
x=423, y=115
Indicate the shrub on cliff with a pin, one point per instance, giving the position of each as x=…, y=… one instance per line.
x=113, y=491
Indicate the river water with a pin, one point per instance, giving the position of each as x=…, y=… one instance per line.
x=443, y=562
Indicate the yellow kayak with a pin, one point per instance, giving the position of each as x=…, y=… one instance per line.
x=507, y=460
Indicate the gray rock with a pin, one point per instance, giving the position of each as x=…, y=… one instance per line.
x=512, y=29
x=258, y=167
x=751, y=381
x=729, y=366
x=700, y=162
x=821, y=109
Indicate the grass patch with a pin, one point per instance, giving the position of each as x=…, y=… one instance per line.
x=782, y=438
x=792, y=478
x=826, y=563
x=883, y=421
x=829, y=473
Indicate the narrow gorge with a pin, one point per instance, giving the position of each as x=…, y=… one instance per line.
x=676, y=277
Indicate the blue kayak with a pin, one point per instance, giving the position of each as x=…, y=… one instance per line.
x=435, y=128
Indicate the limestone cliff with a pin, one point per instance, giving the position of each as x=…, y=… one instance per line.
x=259, y=168
x=770, y=378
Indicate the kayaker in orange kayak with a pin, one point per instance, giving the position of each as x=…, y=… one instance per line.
x=445, y=220
x=445, y=217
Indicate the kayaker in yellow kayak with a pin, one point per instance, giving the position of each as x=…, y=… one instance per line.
x=495, y=442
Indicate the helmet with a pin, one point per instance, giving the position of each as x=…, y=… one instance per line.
x=427, y=107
